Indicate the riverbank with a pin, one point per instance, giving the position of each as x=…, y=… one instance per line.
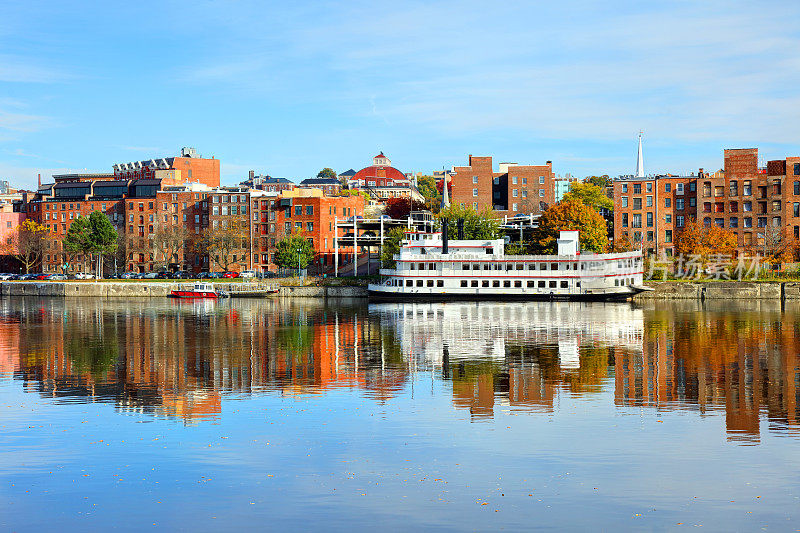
x=663, y=290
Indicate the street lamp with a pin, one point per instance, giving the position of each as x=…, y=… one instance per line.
x=298, y=261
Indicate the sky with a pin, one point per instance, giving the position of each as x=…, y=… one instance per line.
x=287, y=88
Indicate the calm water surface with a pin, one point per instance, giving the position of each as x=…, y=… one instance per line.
x=206, y=416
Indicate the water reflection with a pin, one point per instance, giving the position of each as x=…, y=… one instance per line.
x=181, y=359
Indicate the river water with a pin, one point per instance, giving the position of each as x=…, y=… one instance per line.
x=297, y=415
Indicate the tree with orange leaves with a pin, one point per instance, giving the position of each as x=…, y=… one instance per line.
x=572, y=214
x=704, y=241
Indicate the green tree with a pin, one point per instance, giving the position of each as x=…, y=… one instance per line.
x=327, y=173
x=391, y=246
x=571, y=214
x=103, y=238
x=427, y=188
x=294, y=251
x=78, y=240
x=590, y=194
x=483, y=225
x=600, y=181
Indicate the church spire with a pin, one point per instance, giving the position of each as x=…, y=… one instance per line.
x=640, y=159
x=445, y=196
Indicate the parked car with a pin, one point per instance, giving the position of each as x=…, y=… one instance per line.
x=163, y=274
x=248, y=274
x=84, y=275
x=150, y=275
x=230, y=274
x=41, y=276
x=56, y=277
x=30, y=276
x=181, y=274
x=127, y=275
x=204, y=275
x=5, y=277
x=355, y=217
x=215, y=275
x=267, y=274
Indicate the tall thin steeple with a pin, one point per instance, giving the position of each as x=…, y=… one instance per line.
x=445, y=196
x=640, y=159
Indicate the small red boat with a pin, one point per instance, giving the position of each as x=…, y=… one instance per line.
x=198, y=290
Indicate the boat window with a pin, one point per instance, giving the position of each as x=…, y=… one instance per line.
x=474, y=282
x=430, y=283
x=566, y=266
x=553, y=266
x=542, y=266
x=431, y=266
x=463, y=283
x=578, y=284
x=564, y=284
x=532, y=266
x=574, y=266
x=520, y=266
x=541, y=284
x=489, y=251
x=518, y=284
x=487, y=266
x=509, y=266
x=422, y=266
x=409, y=283
x=495, y=283
x=476, y=267
x=440, y=283
x=498, y=266
x=464, y=266
x=552, y=284
x=411, y=266
x=419, y=283
x=531, y=283
x=616, y=283
x=485, y=283
x=507, y=283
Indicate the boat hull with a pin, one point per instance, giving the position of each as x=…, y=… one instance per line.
x=193, y=294
x=378, y=295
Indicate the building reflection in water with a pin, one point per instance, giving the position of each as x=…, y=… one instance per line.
x=179, y=359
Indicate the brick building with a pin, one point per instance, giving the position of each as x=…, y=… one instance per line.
x=514, y=189
x=649, y=211
x=186, y=168
x=757, y=204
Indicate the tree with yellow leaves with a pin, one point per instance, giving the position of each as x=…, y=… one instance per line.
x=704, y=241
x=29, y=242
x=572, y=214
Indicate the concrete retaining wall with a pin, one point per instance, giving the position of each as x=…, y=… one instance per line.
x=150, y=289
x=723, y=290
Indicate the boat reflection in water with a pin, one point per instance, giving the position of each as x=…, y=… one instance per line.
x=183, y=359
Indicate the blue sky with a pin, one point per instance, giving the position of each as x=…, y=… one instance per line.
x=287, y=88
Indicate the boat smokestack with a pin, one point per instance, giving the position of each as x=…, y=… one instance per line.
x=460, y=225
x=444, y=236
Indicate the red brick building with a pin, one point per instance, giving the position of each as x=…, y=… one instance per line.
x=186, y=168
x=514, y=189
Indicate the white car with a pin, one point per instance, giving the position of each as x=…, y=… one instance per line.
x=84, y=275
x=4, y=277
x=248, y=274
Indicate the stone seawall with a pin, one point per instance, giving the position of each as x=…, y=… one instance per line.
x=153, y=289
x=722, y=290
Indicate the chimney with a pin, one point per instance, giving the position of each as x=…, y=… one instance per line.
x=445, y=243
x=251, y=174
x=40, y=181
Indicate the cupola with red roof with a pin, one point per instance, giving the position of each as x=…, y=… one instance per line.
x=380, y=174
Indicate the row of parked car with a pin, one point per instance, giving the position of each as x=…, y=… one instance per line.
x=40, y=276
x=180, y=274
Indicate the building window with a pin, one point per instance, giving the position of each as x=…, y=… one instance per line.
x=649, y=201
x=649, y=220
x=514, y=180
x=667, y=202
x=624, y=201
x=679, y=221
x=624, y=187
x=668, y=235
x=298, y=210
x=776, y=205
x=679, y=204
x=747, y=222
x=679, y=188
x=624, y=220
x=733, y=188
x=514, y=193
x=514, y=207
x=747, y=188
x=637, y=220
x=309, y=226
x=649, y=236
x=649, y=186
x=541, y=179
x=541, y=193
x=668, y=218
x=747, y=206
x=734, y=207
x=474, y=193
x=733, y=222
x=309, y=210
x=637, y=203
x=474, y=179
x=637, y=188
x=667, y=187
